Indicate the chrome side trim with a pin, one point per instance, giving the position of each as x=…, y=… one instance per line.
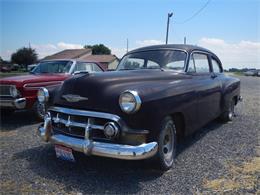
x=94, y=114
x=41, y=84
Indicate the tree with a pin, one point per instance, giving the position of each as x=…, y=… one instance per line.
x=98, y=49
x=24, y=56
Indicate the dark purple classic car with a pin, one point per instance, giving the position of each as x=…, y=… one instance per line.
x=157, y=95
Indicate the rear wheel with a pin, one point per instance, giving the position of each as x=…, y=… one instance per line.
x=167, y=144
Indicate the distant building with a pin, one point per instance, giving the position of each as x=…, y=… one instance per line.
x=107, y=61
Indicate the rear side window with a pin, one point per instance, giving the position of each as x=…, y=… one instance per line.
x=201, y=63
x=215, y=66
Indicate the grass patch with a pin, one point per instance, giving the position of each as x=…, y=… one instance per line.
x=239, y=178
x=239, y=73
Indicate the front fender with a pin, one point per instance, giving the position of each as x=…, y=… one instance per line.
x=231, y=89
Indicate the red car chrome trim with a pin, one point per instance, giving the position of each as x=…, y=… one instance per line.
x=41, y=84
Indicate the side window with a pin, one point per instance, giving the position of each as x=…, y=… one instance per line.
x=215, y=66
x=191, y=67
x=201, y=63
x=152, y=64
x=96, y=68
x=90, y=67
x=133, y=63
x=175, y=65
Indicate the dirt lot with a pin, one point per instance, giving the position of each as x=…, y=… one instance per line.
x=218, y=158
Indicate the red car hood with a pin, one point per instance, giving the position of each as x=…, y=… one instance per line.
x=31, y=78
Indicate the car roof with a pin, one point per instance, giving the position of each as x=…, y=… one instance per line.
x=73, y=60
x=185, y=47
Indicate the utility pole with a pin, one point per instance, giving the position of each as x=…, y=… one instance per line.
x=184, y=40
x=168, y=22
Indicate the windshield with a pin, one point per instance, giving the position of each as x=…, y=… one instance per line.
x=52, y=67
x=154, y=59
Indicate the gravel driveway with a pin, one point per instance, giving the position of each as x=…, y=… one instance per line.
x=218, y=158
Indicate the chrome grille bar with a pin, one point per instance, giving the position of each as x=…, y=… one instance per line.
x=5, y=90
x=71, y=123
x=93, y=114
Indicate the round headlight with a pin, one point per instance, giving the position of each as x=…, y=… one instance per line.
x=130, y=102
x=43, y=95
x=14, y=92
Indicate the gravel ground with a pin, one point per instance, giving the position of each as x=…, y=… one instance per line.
x=218, y=158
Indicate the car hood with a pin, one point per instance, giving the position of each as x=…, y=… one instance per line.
x=32, y=78
x=102, y=90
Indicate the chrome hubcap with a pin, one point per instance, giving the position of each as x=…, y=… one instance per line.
x=41, y=110
x=231, y=113
x=168, y=144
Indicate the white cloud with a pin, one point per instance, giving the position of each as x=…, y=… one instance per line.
x=63, y=45
x=6, y=54
x=44, y=50
x=49, y=49
x=236, y=55
x=119, y=52
x=149, y=42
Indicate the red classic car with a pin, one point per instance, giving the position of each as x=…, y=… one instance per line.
x=20, y=92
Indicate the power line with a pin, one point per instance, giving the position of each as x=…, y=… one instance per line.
x=196, y=13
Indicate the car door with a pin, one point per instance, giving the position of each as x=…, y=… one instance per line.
x=218, y=76
x=207, y=88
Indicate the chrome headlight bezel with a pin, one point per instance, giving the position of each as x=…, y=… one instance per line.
x=14, y=91
x=43, y=95
x=129, y=101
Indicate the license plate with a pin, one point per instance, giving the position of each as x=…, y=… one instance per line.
x=64, y=153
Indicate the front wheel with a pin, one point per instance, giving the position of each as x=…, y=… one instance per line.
x=40, y=110
x=229, y=112
x=167, y=144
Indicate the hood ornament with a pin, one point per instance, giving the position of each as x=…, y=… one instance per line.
x=74, y=98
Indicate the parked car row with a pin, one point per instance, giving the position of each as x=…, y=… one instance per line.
x=20, y=92
x=158, y=95
x=8, y=67
x=252, y=73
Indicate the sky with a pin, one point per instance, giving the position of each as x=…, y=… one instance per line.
x=230, y=28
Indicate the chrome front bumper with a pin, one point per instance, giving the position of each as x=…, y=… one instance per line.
x=90, y=147
x=19, y=103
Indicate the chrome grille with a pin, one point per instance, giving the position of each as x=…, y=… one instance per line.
x=5, y=90
x=77, y=125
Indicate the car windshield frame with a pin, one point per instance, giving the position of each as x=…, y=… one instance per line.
x=37, y=69
x=183, y=69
